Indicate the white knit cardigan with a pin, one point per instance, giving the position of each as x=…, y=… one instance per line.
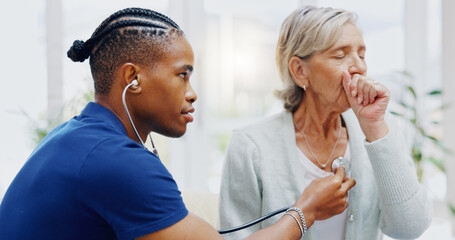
x=262, y=174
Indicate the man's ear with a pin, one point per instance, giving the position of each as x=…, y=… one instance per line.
x=128, y=73
x=299, y=71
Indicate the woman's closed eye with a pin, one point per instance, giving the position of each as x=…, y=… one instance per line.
x=339, y=56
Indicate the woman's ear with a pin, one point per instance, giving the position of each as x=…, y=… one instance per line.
x=299, y=71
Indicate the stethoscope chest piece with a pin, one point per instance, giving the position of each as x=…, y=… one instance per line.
x=341, y=161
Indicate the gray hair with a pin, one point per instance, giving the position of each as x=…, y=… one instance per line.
x=306, y=31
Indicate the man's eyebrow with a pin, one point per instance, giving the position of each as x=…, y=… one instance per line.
x=188, y=68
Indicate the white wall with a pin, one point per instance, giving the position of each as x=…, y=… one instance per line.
x=23, y=68
x=448, y=73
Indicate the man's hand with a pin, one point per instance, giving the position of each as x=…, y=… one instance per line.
x=325, y=197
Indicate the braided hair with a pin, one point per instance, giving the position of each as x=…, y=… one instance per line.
x=130, y=35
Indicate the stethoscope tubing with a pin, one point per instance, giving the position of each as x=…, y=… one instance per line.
x=249, y=224
x=338, y=162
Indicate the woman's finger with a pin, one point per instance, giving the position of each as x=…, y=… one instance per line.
x=360, y=86
x=373, y=93
x=368, y=84
x=354, y=88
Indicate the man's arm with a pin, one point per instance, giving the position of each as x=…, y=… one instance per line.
x=323, y=198
x=190, y=227
x=193, y=227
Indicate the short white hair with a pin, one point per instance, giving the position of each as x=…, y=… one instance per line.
x=308, y=30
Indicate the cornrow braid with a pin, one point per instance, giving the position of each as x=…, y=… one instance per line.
x=137, y=12
x=129, y=35
x=81, y=51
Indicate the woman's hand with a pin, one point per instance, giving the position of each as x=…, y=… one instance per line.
x=325, y=197
x=368, y=100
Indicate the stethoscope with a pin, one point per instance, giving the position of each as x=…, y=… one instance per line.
x=136, y=83
x=337, y=163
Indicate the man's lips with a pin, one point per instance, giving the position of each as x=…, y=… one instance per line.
x=187, y=114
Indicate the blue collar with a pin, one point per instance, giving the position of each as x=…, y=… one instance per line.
x=97, y=111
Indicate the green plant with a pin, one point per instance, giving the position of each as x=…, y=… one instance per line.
x=42, y=125
x=452, y=209
x=39, y=127
x=421, y=124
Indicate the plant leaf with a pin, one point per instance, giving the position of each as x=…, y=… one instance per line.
x=40, y=133
x=396, y=114
x=403, y=104
x=452, y=209
x=444, y=106
x=435, y=92
x=443, y=148
x=411, y=89
x=439, y=163
x=416, y=152
x=406, y=73
x=431, y=138
x=421, y=131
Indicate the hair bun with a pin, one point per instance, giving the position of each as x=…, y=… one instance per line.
x=78, y=52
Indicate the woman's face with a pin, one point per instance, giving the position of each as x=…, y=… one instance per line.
x=325, y=69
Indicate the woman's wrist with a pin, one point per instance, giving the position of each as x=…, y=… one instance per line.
x=374, y=130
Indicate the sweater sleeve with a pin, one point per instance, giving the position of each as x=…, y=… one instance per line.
x=240, y=192
x=406, y=209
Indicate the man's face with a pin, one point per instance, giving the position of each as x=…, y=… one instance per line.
x=165, y=102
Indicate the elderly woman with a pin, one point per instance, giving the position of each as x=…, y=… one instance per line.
x=333, y=109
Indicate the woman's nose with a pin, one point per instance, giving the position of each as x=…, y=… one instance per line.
x=358, y=66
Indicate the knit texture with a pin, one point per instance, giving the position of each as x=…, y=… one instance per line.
x=262, y=173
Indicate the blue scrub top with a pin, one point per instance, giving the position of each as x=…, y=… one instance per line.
x=88, y=180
